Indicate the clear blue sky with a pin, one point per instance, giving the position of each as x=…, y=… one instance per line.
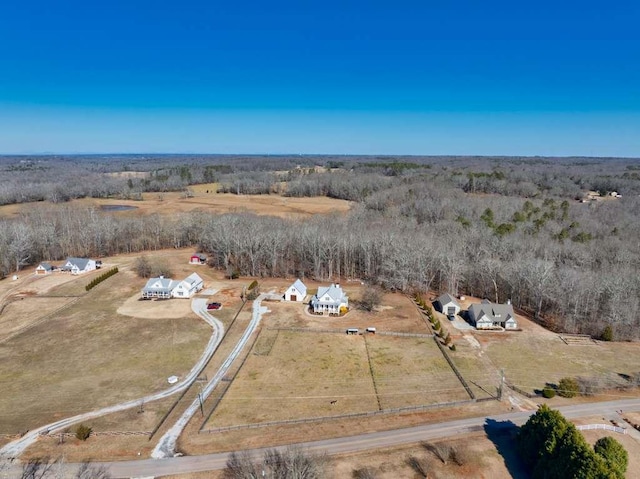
x=394, y=77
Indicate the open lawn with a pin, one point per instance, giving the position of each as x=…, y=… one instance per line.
x=175, y=202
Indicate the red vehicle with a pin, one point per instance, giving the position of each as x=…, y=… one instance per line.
x=214, y=306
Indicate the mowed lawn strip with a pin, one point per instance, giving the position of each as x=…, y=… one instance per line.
x=412, y=372
x=299, y=378
x=88, y=357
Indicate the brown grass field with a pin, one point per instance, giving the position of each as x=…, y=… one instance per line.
x=174, y=202
x=87, y=355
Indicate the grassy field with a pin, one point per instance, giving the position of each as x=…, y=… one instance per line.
x=175, y=202
x=86, y=355
x=411, y=372
x=534, y=357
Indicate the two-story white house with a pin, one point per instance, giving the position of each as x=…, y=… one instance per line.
x=165, y=288
x=330, y=300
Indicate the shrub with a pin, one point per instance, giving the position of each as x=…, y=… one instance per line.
x=452, y=347
x=607, y=333
x=83, y=432
x=568, y=387
x=96, y=281
x=548, y=392
x=253, y=285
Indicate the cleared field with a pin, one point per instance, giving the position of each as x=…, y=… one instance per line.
x=175, y=202
x=87, y=355
x=412, y=372
x=534, y=357
x=300, y=377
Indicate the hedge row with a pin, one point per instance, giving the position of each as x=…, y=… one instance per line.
x=99, y=279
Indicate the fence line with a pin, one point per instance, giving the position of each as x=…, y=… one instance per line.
x=98, y=433
x=606, y=427
x=455, y=369
x=520, y=391
x=340, y=416
x=342, y=331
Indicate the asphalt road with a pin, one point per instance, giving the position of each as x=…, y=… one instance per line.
x=363, y=442
x=15, y=448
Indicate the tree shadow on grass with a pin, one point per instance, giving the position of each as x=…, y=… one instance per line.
x=503, y=436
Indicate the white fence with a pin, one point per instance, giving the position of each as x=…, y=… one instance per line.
x=606, y=427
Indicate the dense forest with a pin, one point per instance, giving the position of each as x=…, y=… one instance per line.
x=500, y=228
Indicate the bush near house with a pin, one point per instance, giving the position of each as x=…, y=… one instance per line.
x=568, y=387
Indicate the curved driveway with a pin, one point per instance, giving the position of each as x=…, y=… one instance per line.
x=15, y=448
x=167, y=445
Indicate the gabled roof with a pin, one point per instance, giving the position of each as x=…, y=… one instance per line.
x=80, y=263
x=299, y=286
x=160, y=284
x=494, y=312
x=334, y=292
x=193, y=278
x=199, y=256
x=46, y=266
x=446, y=298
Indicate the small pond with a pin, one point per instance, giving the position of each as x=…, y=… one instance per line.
x=117, y=207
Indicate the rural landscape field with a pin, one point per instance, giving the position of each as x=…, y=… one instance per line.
x=392, y=237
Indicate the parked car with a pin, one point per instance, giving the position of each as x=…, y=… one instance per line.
x=214, y=306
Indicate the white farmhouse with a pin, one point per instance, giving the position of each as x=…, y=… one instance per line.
x=329, y=300
x=296, y=292
x=165, y=288
x=188, y=286
x=488, y=315
x=160, y=287
x=78, y=265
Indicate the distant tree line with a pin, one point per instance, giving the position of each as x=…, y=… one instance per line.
x=413, y=228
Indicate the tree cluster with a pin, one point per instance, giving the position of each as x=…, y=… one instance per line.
x=551, y=447
x=290, y=463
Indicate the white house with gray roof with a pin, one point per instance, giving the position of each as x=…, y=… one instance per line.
x=188, y=286
x=488, y=315
x=329, y=300
x=78, y=265
x=165, y=288
x=448, y=305
x=296, y=292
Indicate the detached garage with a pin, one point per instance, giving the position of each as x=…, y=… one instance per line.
x=296, y=292
x=448, y=305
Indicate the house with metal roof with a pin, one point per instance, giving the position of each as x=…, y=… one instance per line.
x=296, y=292
x=160, y=287
x=330, y=300
x=45, y=268
x=188, y=286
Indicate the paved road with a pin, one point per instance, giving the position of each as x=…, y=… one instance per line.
x=363, y=442
x=15, y=448
x=166, y=447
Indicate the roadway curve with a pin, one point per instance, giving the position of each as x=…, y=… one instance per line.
x=363, y=442
x=17, y=447
x=166, y=447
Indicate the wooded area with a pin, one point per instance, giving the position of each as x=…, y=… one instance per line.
x=500, y=228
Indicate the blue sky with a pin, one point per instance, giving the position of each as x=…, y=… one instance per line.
x=401, y=77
